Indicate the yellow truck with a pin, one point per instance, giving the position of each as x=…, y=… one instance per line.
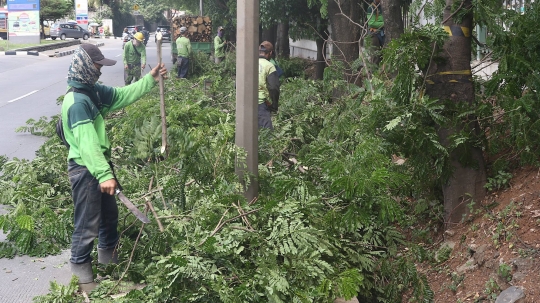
x=45, y=31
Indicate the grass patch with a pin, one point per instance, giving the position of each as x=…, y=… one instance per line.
x=7, y=45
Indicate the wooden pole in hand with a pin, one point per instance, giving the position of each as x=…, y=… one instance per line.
x=162, y=99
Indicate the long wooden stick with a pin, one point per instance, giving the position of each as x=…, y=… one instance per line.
x=162, y=99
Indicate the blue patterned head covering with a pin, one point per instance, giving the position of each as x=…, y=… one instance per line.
x=82, y=68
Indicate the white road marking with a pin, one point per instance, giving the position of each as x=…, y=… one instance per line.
x=33, y=92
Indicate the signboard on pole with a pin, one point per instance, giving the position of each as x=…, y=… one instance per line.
x=81, y=13
x=23, y=5
x=23, y=21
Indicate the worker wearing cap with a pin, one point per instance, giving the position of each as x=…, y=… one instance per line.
x=134, y=58
x=268, y=86
x=219, y=46
x=92, y=181
x=183, y=46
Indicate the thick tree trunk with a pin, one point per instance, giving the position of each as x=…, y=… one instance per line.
x=450, y=79
x=345, y=34
x=393, y=20
x=269, y=34
x=283, y=49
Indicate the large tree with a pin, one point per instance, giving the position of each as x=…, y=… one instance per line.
x=393, y=18
x=450, y=80
x=52, y=10
x=343, y=16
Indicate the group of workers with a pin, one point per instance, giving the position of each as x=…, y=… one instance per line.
x=86, y=104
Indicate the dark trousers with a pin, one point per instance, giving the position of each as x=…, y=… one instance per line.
x=183, y=64
x=95, y=215
x=377, y=41
x=264, y=117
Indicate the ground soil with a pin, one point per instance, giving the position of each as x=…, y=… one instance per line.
x=506, y=229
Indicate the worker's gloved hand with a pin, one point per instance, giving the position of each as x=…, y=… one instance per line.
x=108, y=187
x=159, y=70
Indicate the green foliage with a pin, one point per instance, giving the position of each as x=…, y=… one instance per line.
x=499, y=181
x=52, y=10
x=513, y=117
x=309, y=237
x=505, y=272
x=294, y=67
x=492, y=289
x=60, y=294
x=443, y=254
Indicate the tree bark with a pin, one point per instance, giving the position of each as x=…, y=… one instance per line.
x=345, y=34
x=283, y=49
x=393, y=20
x=321, y=52
x=269, y=34
x=450, y=79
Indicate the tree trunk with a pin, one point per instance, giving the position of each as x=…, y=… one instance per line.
x=451, y=80
x=321, y=53
x=269, y=34
x=283, y=49
x=393, y=20
x=345, y=34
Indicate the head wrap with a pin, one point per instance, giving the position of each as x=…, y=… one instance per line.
x=82, y=69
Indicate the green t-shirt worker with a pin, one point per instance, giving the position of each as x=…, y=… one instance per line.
x=219, y=46
x=268, y=86
x=183, y=46
x=134, y=58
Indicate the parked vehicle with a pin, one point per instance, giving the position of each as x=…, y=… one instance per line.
x=165, y=33
x=45, y=32
x=132, y=29
x=68, y=30
x=126, y=37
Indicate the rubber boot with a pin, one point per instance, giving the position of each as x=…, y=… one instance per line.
x=107, y=256
x=86, y=277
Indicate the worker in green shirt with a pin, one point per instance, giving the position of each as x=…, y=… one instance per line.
x=183, y=45
x=134, y=58
x=376, y=29
x=84, y=109
x=268, y=86
x=219, y=46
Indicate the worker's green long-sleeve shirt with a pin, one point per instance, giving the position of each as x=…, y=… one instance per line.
x=131, y=56
x=375, y=19
x=219, y=47
x=84, y=126
x=183, y=45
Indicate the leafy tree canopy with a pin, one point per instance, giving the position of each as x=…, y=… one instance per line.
x=55, y=9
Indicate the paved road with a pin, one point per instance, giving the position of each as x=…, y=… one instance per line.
x=29, y=87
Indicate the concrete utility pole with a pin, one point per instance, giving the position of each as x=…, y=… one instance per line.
x=201, y=7
x=247, y=78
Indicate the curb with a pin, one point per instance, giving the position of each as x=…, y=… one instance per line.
x=13, y=53
x=71, y=51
